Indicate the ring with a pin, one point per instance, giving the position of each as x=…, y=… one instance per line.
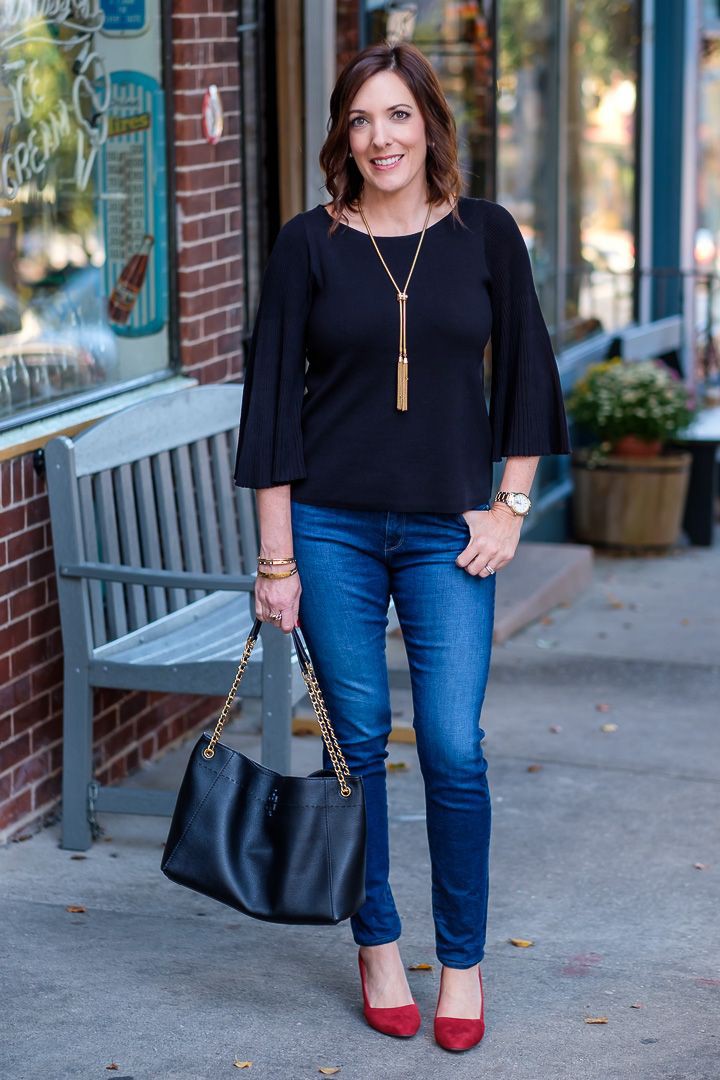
x=489, y=569
x=276, y=615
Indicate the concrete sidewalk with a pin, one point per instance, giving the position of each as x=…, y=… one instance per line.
x=594, y=858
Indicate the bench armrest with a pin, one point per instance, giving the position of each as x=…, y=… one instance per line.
x=173, y=579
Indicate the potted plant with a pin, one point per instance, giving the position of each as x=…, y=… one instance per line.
x=629, y=490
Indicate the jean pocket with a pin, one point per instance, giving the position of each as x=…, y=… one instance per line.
x=463, y=520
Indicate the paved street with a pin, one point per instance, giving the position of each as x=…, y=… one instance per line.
x=606, y=856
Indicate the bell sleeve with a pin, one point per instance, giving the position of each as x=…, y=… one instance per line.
x=270, y=445
x=527, y=411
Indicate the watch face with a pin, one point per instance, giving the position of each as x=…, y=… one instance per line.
x=519, y=502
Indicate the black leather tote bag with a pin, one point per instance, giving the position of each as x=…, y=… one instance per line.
x=285, y=849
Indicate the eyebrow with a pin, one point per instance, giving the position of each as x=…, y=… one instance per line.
x=392, y=108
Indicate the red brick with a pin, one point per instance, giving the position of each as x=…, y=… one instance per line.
x=14, y=693
x=26, y=543
x=14, y=635
x=47, y=791
x=13, y=577
x=227, y=248
x=197, y=352
x=195, y=52
x=184, y=27
x=47, y=733
x=35, y=768
x=34, y=599
x=197, y=254
x=5, y=786
x=15, y=751
x=37, y=510
x=12, y=520
x=30, y=715
x=41, y=566
x=15, y=808
x=47, y=676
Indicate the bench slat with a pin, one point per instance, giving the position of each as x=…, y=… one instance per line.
x=226, y=505
x=130, y=543
x=92, y=553
x=167, y=517
x=206, y=506
x=149, y=534
x=114, y=590
x=185, y=494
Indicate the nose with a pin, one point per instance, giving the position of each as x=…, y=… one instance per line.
x=381, y=137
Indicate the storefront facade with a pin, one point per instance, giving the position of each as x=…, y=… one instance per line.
x=126, y=270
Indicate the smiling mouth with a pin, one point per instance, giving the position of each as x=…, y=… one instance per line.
x=386, y=162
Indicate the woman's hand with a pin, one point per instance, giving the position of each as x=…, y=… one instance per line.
x=494, y=537
x=280, y=594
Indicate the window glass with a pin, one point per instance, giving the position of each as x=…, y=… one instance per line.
x=527, y=136
x=707, y=235
x=83, y=204
x=600, y=154
x=456, y=38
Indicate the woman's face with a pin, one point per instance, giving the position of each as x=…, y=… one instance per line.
x=387, y=133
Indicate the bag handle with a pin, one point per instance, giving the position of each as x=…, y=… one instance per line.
x=326, y=729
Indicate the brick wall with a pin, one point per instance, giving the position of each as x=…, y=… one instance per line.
x=129, y=727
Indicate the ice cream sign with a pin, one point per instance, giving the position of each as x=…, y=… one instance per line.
x=55, y=92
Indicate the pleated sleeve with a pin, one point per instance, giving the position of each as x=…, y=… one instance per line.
x=527, y=412
x=270, y=446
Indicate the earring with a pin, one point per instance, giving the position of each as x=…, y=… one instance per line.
x=349, y=154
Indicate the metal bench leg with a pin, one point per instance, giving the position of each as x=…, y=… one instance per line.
x=276, y=715
x=77, y=760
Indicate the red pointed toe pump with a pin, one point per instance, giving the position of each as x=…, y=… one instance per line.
x=402, y=1021
x=455, y=1033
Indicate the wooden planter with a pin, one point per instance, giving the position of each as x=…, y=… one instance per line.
x=629, y=502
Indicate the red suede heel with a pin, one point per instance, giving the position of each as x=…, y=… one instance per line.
x=402, y=1021
x=455, y=1033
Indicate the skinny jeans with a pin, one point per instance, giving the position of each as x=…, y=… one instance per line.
x=351, y=562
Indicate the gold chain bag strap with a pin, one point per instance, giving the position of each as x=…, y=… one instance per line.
x=315, y=694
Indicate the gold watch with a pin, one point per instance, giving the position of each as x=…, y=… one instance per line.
x=518, y=502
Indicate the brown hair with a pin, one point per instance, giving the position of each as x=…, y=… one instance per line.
x=343, y=179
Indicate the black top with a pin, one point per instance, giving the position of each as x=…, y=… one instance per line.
x=334, y=432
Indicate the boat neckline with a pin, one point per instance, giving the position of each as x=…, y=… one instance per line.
x=382, y=236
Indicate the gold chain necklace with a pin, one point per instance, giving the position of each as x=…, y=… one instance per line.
x=402, y=365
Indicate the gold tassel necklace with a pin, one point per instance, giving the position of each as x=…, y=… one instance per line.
x=402, y=295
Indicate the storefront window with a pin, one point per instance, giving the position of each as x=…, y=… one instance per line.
x=707, y=236
x=602, y=69
x=456, y=38
x=527, y=143
x=83, y=204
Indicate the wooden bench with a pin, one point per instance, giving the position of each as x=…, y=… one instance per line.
x=155, y=551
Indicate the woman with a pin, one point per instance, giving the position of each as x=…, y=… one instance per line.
x=373, y=472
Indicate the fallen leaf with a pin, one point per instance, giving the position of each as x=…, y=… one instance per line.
x=75, y=907
x=596, y=1019
x=522, y=943
x=112, y=1065
x=637, y=1005
x=547, y=620
x=420, y=967
x=700, y=866
x=608, y=727
x=684, y=622
x=616, y=604
x=396, y=766
x=78, y=856
x=554, y=728
x=329, y=1070
x=603, y=707
x=242, y=1064
x=534, y=767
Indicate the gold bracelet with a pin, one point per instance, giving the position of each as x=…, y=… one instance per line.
x=276, y=562
x=261, y=573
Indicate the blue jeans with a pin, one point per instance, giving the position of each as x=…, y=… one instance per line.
x=350, y=562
